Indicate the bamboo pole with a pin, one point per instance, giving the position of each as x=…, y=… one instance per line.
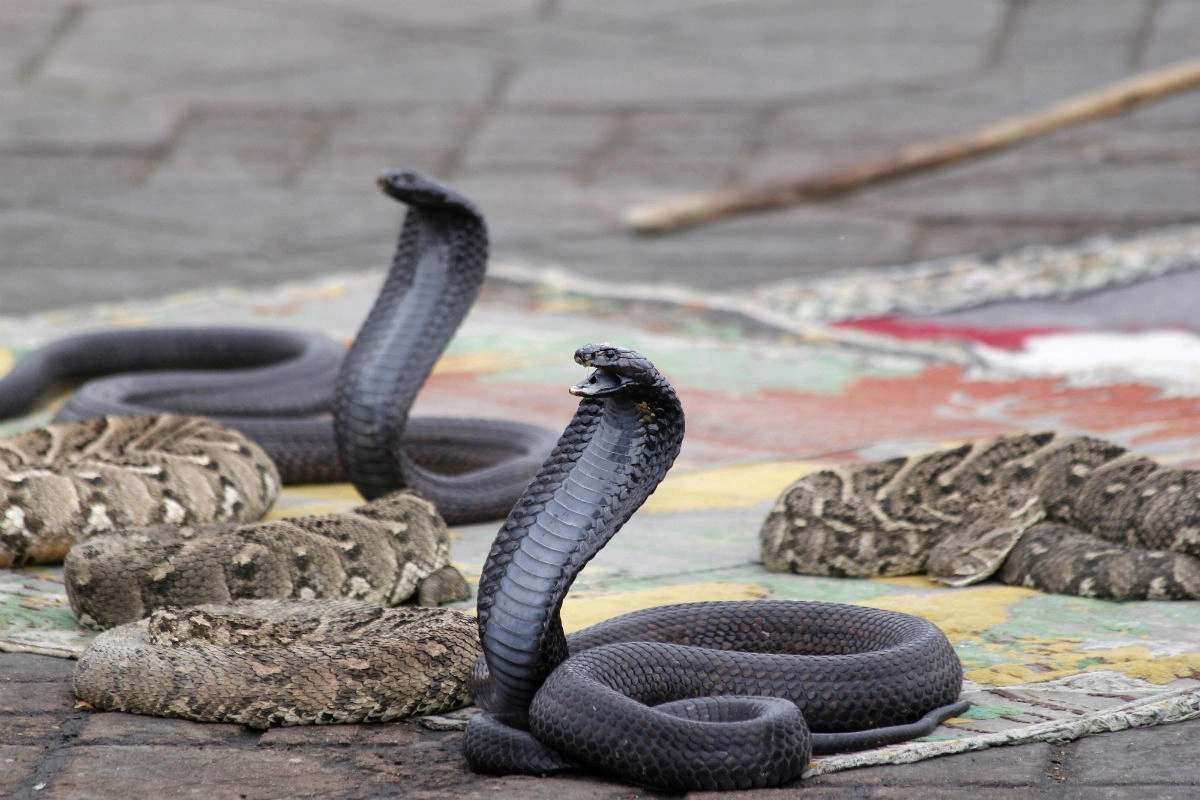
x=1117, y=98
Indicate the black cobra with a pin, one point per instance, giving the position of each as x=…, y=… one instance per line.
x=693, y=696
x=278, y=387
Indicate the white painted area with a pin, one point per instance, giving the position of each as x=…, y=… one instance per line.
x=1164, y=358
x=14, y=521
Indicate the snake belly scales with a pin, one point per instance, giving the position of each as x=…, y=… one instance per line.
x=632, y=697
x=1059, y=513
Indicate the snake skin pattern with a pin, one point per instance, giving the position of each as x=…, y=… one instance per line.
x=644, y=697
x=386, y=552
x=280, y=387
x=64, y=483
x=1067, y=514
x=276, y=662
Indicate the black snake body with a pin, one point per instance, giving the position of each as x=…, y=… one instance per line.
x=278, y=387
x=645, y=697
x=274, y=385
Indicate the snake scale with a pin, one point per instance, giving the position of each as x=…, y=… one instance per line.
x=65, y=482
x=279, y=662
x=385, y=552
x=694, y=696
x=322, y=414
x=1059, y=513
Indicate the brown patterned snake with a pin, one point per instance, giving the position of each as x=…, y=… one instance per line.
x=65, y=482
x=1068, y=514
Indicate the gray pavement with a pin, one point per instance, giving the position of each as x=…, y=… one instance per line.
x=149, y=146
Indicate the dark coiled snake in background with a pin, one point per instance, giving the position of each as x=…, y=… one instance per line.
x=632, y=700
x=278, y=387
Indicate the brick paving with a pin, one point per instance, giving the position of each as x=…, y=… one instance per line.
x=153, y=146
x=50, y=750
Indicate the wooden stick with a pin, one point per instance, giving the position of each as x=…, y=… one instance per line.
x=1117, y=98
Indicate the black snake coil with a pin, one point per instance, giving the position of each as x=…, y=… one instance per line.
x=694, y=696
x=278, y=386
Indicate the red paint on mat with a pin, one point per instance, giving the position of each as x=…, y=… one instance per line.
x=938, y=404
x=1005, y=338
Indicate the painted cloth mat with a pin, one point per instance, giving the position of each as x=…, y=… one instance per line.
x=920, y=289
x=761, y=412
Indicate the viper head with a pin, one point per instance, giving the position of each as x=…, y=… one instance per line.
x=615, y=370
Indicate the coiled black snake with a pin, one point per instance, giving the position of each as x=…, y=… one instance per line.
x=278, y=387
x=633, y=700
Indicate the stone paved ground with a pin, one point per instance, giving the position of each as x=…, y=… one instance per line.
x=148, y=146
x=152, y=145
x=79, y=755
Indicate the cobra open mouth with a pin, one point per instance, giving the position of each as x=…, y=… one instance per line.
x=601, y=383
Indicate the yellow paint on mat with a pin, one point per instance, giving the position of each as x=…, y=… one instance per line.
x=1066, y=658
x=564, y=305
x=580, y=612
x=330, y=291
x=1013, y=674
x=314, y=498
x=1161, y=669
x=726, y=487
x=911, y=582
x=6, y=360
x=967, y=614
x=470, y=363
x=962, y=614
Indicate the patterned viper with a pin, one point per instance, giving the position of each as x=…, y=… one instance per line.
x=1067, y=514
